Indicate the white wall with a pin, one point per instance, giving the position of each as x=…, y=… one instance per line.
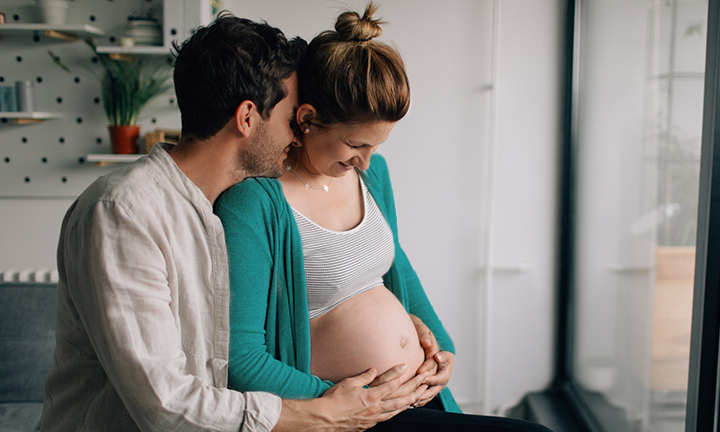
x=29, y=231
x=522, y=208
x=474, y=171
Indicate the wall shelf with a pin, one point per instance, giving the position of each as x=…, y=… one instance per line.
x=44, y=155
x=68, y=32
x=29, y=117
x=147, y=50
x=110, y=159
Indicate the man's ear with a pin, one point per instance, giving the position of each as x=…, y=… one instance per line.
x=305, y=115
x=247, y=118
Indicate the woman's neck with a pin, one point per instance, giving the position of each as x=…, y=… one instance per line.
x=300, y=166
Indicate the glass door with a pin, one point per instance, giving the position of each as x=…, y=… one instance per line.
x=639, y=111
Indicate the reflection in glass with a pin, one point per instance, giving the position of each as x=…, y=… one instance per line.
x=638, y=143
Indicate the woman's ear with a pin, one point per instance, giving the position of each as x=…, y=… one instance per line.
x=305, y=115
x=247, y=118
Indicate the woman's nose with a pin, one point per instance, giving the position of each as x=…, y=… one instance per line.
x=363, y=160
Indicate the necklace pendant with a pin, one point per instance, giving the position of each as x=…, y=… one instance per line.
x=325, y=188
x=306, y=185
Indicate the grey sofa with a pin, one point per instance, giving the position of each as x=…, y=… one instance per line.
x=27, y=346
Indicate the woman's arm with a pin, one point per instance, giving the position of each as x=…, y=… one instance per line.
x=252, y=280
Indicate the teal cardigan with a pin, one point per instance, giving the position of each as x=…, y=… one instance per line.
x=269, y=324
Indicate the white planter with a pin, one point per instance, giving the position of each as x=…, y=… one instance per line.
x=53, y=11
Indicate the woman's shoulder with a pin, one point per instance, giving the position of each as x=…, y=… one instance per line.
x=378, y=164
x=377, y=180
x=378, y=170
x=251, y=194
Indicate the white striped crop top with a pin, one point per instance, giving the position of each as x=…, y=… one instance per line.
x=343, y=264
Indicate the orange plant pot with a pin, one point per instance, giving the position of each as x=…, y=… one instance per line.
x=124, y=139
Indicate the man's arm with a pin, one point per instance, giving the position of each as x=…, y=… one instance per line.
x=117, y=265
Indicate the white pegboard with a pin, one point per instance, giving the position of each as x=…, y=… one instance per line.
x=48, y=159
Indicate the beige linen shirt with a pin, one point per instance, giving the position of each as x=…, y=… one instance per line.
x=142, y=317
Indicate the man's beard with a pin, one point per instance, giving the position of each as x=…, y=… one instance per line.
x=261, y=158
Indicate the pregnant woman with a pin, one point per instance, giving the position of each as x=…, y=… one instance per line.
x=320, y=288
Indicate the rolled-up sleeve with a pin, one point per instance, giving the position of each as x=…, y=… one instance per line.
x=262, y=411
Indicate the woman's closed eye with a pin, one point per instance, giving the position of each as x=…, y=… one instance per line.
x=355, y=147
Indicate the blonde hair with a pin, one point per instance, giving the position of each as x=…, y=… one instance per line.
x=352, y=79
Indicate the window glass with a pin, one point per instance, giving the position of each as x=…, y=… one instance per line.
x=640, y=100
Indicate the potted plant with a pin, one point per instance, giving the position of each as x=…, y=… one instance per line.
x=128, y=83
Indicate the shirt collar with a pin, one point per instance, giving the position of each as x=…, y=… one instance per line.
x=160, y=156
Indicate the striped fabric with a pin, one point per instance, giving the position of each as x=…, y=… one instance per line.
x=340, y=265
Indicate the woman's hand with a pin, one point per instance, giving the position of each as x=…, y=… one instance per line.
x=429, y=345
x=438, y=364
x=445, y=361
x=426, y=337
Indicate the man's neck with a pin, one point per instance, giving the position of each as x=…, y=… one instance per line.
x=207, y=163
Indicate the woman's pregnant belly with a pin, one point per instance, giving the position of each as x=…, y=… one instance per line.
x=371, y=329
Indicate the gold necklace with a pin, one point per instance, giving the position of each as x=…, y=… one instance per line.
x=307, y=186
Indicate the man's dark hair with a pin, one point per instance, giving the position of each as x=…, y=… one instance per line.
x=230, y=61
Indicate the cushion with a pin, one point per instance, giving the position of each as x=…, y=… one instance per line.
x=27, y=340
x=20, y=417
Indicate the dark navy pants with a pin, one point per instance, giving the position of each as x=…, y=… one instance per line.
x=432, y=418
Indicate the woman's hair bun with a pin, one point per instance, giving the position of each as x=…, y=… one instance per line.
x=351, y=79
x=350, y=26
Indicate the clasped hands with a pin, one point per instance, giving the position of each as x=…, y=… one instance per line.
x=352, y=406
x=438, y=364
x=431, y=377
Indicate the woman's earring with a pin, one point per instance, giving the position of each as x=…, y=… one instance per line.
x=306, y=130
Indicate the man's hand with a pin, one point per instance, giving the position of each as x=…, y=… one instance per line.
x=349, y=406
x=438, y=364
x=415, y=386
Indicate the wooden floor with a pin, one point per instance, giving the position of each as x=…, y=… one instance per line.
x=672, y=318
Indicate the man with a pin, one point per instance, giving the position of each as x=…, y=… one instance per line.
x=142, y=319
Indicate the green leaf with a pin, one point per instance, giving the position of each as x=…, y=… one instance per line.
x=127, y=83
